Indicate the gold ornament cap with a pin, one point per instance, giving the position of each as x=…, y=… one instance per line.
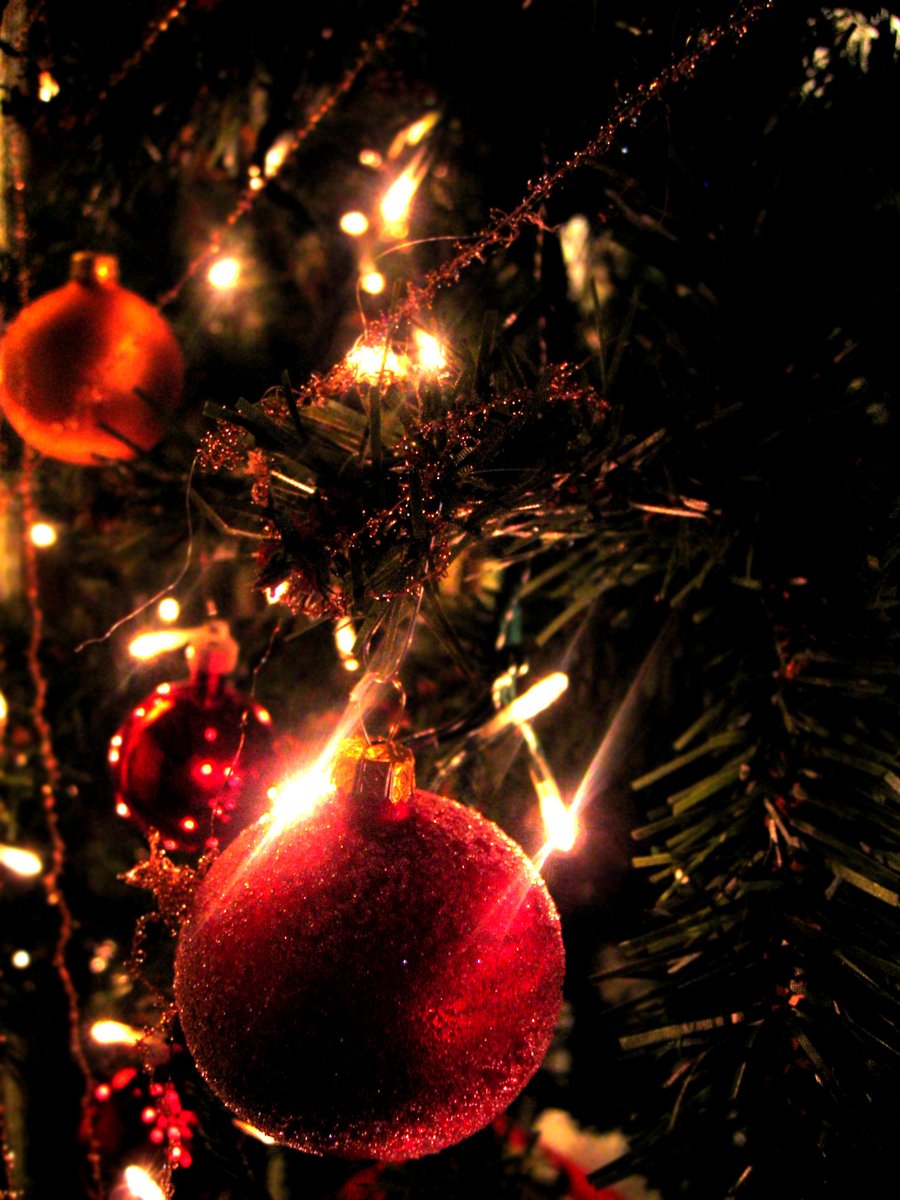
x=377, y=777
x=94, y=270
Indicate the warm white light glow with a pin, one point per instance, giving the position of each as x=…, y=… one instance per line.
x=413, y=134
x=20, y=959
x=370, y=158
x=345, y=640
x=252, y=1131
x=142, y=1185
x=276, y=155
x=373, y=282
x=223, y=274
x=559, y=821
x=371, y=363
x=354, y=223
x=20, y=862
x=42, y=534
x=274, y=594
x=4, y=708
x=148, y=645
x=430, y=352
x=114, y=1033
x=169, y=609
x=397, y=202
x=47, y=87
x=538, y=697
x=299, y=796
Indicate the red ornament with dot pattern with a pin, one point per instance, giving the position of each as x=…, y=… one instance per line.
x=195, y=760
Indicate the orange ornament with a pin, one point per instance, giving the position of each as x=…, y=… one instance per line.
x=90, y=371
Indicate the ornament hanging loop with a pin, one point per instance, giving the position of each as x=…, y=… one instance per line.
x=363, y=697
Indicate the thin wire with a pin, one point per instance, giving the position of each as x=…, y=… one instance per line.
x=503, y=230
x=95, y=641
x=249, y=195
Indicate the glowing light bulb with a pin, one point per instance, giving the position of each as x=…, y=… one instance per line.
x=538, y=697
x=141, y=1184
x=21, y=862
x=274, y=594
x=354, y=223
x=371, y=363
x=372, y=282
x=224, y=273
x=559, y=821
x=276, y=155
x=115, y=1033
x=397, y=201
x=252, y=1131
x=413, y=134
x=47, y=87
x=148, y=645
x=431, y=355
x=42, y=534
x=169, y=609
x=345, y=640
x=20, y=959
x=370, y=158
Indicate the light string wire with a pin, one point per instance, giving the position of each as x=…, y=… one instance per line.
x=367, y=52
x=503, y=229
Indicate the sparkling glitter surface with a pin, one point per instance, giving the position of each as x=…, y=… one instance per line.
x=372, y=993
x=176, y=764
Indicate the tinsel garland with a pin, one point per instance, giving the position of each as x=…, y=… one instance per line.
x=369, y=490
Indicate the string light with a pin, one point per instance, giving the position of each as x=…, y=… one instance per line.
x=413, y=134
x=278, y=592
x=224, y=274
x=115, y=1033
x=4, y=710
x=276, y=155
x=252, y=1131
x=21, y=862
x=169, y=609
x=148, y=645
x=141, y=1184
x=354, y=223
x=431, y=354
x=397, y=200
x=20, y=959
x=370, y=158
x=371, y=363
x=47, y=87
x=42, y=534
x=345, y=640
x=538, y=697
x=372, y=282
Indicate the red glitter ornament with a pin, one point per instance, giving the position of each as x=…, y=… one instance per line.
x=378, y=977
x=195, y=759
x=90, y=371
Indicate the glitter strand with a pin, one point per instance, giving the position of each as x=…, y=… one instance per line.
x=49, y=791
x=503, y=230
x=248, y=196
x=49, y=762
x=154, y=30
